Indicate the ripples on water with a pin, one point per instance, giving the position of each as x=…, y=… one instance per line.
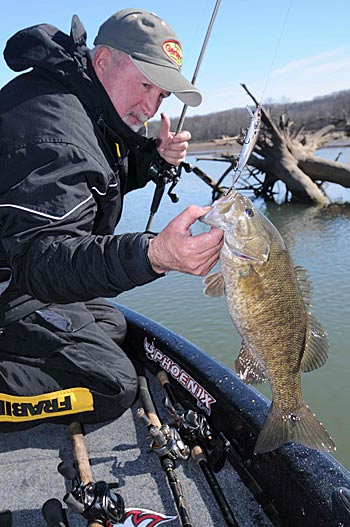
x=318, y=240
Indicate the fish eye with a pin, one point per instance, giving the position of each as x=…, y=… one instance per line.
x=249, y=213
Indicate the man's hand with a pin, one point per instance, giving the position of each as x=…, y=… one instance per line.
x=172, y=147
x=175, y=249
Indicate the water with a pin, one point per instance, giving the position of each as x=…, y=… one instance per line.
x=318, y=240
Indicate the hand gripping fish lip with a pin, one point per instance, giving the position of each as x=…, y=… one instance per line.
x=218, y=210
x=213, y=218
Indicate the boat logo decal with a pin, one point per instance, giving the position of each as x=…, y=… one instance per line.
x=144, y=518
x=204, y=399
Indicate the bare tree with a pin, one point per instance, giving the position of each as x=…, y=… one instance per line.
x=284, y=153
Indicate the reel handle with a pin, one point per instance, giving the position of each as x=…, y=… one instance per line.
x=54, y=514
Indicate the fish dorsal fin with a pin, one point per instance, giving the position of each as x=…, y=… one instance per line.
x=214, y=284
x=316, y=345
x=248, y=368
x=304, y=284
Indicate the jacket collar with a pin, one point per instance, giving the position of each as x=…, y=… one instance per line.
x=67, y=59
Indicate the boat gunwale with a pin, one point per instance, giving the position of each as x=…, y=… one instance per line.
x=308, y=479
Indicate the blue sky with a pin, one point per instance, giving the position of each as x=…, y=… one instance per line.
x=281, y=49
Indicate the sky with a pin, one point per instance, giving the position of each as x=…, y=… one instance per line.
x=283, y=50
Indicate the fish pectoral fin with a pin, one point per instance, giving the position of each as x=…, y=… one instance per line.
x=316, y=345
x=248, y=368
x=214, y=284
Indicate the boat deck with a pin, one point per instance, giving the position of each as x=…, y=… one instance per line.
x=119, y=454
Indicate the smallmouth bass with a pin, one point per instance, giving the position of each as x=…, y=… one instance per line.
x=268, y=300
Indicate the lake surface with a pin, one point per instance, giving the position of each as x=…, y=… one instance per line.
x=319, y=240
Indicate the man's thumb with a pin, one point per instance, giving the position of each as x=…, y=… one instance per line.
x=164, y=126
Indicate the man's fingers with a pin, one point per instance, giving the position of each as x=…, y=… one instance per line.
x=172, y=147
x=182, y=137
x=204, y=268
x=207, y=240
x=189, y=216
x=175, y=248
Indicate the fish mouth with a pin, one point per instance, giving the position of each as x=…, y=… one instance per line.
x=215, y=217
x=244, y=237
x=211, y=218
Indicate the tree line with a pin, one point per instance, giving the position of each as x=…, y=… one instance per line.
x=312, y=115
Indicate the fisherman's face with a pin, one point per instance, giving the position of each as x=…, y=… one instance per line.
x=134, y=97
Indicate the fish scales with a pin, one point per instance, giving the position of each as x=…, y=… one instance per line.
x=266, y=303
x=270, y=314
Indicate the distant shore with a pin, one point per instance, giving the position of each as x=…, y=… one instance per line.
x=230, y=146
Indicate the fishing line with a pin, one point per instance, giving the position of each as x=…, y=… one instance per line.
x=276, y=49
x=162, y=174
x=199, y=62
x=252, y=132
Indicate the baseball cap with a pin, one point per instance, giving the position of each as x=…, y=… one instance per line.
x=153, y=47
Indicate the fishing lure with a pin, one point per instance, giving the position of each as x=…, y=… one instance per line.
x=249, y=142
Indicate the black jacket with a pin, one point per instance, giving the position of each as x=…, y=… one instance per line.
x=66, y=160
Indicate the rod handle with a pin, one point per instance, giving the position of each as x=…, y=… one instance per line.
x=198, y=454
x=80, y=453
x=157, y=197
x=163, y=378
x=147, y=402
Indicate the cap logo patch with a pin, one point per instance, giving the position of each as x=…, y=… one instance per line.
x=172, y=49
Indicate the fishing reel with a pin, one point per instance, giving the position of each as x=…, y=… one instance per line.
x=194, y=428
x=96, y=501
x=161, y=172
x=166, y=440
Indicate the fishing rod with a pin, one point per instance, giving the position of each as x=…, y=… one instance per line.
x=168, y=447
x=94, y=500
x=161, y=171
x=195, y=430
x=190, y=435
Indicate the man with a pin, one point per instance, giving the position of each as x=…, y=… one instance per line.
x=69, y=152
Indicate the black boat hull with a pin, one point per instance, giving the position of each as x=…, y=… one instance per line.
x=295, y=485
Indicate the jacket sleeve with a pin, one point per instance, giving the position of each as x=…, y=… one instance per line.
x=139, y=162
x=47, y=224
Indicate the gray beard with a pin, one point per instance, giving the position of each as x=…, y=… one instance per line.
x=142, y=130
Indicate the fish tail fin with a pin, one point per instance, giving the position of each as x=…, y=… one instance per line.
x=300, y=426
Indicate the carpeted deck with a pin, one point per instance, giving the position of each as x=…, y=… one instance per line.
x=118, y=453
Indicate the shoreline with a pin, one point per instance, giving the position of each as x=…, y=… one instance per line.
x=230, y=147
